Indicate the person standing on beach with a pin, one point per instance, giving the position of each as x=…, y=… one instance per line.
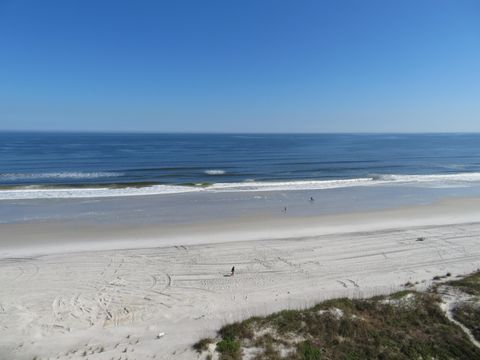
x=233, y=271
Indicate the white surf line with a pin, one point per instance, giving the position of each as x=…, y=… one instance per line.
x=459, y=179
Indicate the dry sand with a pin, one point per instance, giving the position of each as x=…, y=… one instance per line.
x=154, y=302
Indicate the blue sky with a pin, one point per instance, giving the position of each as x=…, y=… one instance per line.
x=240, y=66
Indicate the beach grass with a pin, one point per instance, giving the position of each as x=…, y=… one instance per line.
x=202, y=345
x=467, y=312
x=469, y=284
x=403, y=325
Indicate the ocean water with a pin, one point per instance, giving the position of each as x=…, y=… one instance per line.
x=69, y=165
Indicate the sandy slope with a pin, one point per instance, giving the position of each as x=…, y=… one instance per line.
x=114, y=303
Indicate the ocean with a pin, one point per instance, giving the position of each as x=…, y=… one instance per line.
x=62, y=165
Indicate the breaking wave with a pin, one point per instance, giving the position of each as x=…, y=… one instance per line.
x=461, y=177
x=215, y=172
x=39, y=192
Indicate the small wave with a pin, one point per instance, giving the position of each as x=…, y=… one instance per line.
x=460, y=177
x=99, y=192
x=215, y=172
x=94, y=192
x=57, y=175
x=290, y=185
x=434, y=181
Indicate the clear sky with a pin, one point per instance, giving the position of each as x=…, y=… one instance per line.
x=240, y=65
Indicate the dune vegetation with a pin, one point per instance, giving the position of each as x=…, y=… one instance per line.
x=405, y=325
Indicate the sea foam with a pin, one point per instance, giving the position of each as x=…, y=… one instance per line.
x=433, y=180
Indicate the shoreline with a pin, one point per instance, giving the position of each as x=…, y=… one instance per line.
x=45, y=238
x=32, y=191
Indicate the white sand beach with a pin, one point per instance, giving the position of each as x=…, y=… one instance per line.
x=151, y=293
x=321, y=149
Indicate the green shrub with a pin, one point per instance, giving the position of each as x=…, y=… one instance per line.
x=237, y=330
x=307, y=351
x=202, y=344
x=229, y=349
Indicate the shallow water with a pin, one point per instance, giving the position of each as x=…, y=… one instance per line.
x=199, y=207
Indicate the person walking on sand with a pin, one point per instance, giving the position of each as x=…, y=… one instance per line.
x=233, y=271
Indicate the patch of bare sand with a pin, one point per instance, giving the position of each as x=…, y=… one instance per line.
x=156, y=302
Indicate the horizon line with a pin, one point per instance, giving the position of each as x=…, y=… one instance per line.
x=146, y=132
